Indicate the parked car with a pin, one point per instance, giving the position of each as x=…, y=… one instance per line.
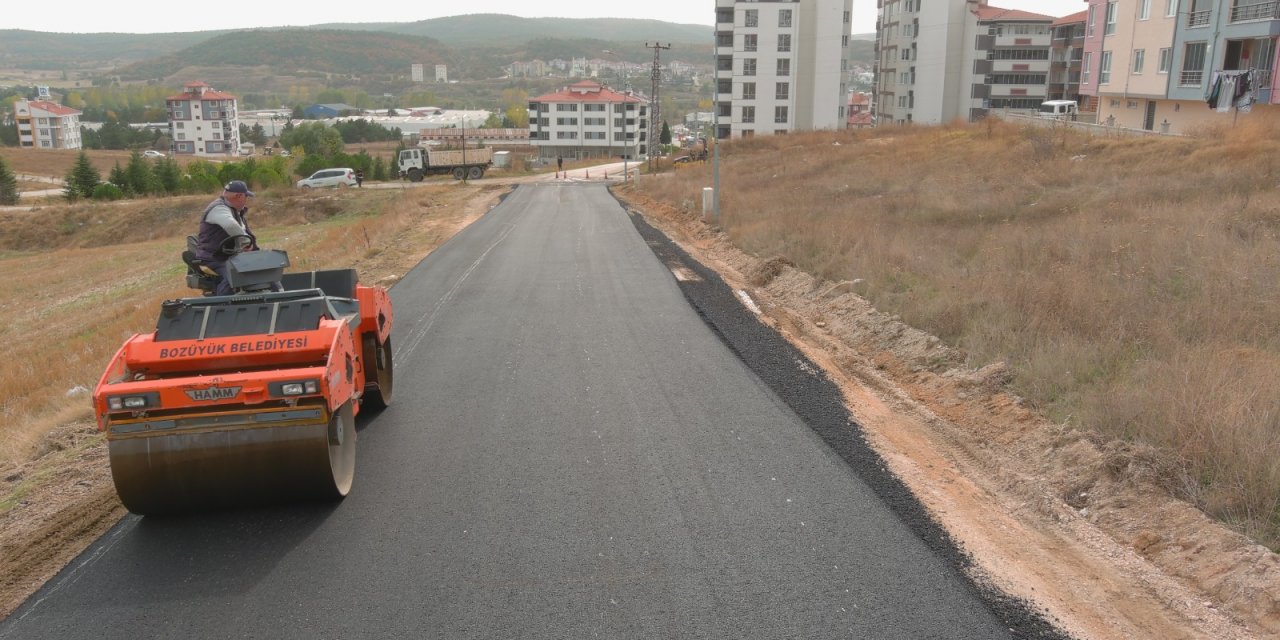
x=152, y=153
x=340, y=177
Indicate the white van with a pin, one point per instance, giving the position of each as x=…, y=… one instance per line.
x=1059, y=109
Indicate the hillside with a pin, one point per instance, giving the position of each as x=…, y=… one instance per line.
x=54, y=51
x=290, y=51
x=496, y=30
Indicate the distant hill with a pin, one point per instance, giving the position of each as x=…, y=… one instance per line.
x=308, y=50
x=492, y=40
x=40, y=50
x=497, y=30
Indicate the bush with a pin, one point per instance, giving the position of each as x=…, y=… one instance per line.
x=107, y=191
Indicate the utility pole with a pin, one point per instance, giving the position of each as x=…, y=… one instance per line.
x=656, y=76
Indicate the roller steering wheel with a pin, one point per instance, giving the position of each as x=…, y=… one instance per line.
x=231, y=246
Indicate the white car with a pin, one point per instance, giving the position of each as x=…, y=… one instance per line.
x=340, y=177
x=152, y=153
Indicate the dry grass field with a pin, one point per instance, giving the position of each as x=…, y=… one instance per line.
x=1131, y=285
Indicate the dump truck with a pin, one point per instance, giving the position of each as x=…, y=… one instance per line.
x=463, y=164
x=247, y=398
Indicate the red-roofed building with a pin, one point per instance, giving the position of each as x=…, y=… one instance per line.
x=859, y=111
x=46, y=125
x=588, y=120
x=203, y=121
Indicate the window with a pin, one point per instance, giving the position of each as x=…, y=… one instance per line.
x=848, y=16
x=1170, y=8
x=1139, y=57
x=748, y=114
x=748, y=66
x=1144, y=9
x=566, y=107
x=1089, y=29
x=784, y=18
x=1193, y=63
x=1084, y=68
x=567, y=121
x=784, y=67
x=593, y=107
x=780, y=114
x=1165, y=55
x=1104, y=68
x=752, y=18
x=749, y=42
x=782, y=91
x=566, y=135
x=906, y=54
x=1111, y=20
x=723, y=85
x=748, y=91
x=747, y=133
x=902, y=101
x=784, y=42
x=904, y=77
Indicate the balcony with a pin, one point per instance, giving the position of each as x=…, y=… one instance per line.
x=1255, y=11
x=1190, y=78
x=1198, y=18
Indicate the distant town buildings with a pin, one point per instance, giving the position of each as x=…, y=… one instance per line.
x=43, y=124
x=588, y=120
x=442, y=73
x=203, y=122
x=780, y=66
x=860, y=110
x=415, y=72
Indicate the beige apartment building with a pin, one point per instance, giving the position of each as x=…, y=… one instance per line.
x=1131, y=72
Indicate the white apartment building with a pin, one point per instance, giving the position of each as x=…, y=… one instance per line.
x=46, y=125
x=203, y=122
x=780, y=65
x=588, y=120
x=942, y=60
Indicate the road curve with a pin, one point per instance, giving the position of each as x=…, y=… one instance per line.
x=573, y=452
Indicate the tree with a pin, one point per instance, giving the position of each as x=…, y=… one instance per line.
x=141, y=181
x=117, y=177
x=8, y=184
x=169, y=175
x=379, y=172
x=666, y=133
x=82, y=179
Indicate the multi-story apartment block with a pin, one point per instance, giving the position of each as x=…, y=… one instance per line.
x=203, y=122
x=1065, y=55
x=1218, y=38
x=938, y=61
x=588, y=120
x=1151, y=64
x=780, y=65
x=46, y=125
x=1130, y=73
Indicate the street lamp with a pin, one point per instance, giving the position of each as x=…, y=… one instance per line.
x=627, y=88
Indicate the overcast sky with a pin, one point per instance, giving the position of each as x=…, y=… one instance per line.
x=155, y=16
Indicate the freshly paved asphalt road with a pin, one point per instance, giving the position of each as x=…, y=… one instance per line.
x=574, y=451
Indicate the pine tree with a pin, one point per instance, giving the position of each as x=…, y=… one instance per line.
x=379, y=172
x=82, y=179
x=138, y=174
x=118, y=178
x=8, y=184
x=666, y=133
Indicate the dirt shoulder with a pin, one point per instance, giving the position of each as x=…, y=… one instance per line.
x=1073, y=524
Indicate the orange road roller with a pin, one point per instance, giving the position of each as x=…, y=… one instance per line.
x=248, y=398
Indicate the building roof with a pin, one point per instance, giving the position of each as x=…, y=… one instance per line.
x=988, y=13
x=1073, y=18
x=208, y=94
x=52, y=108
x=587, y=91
